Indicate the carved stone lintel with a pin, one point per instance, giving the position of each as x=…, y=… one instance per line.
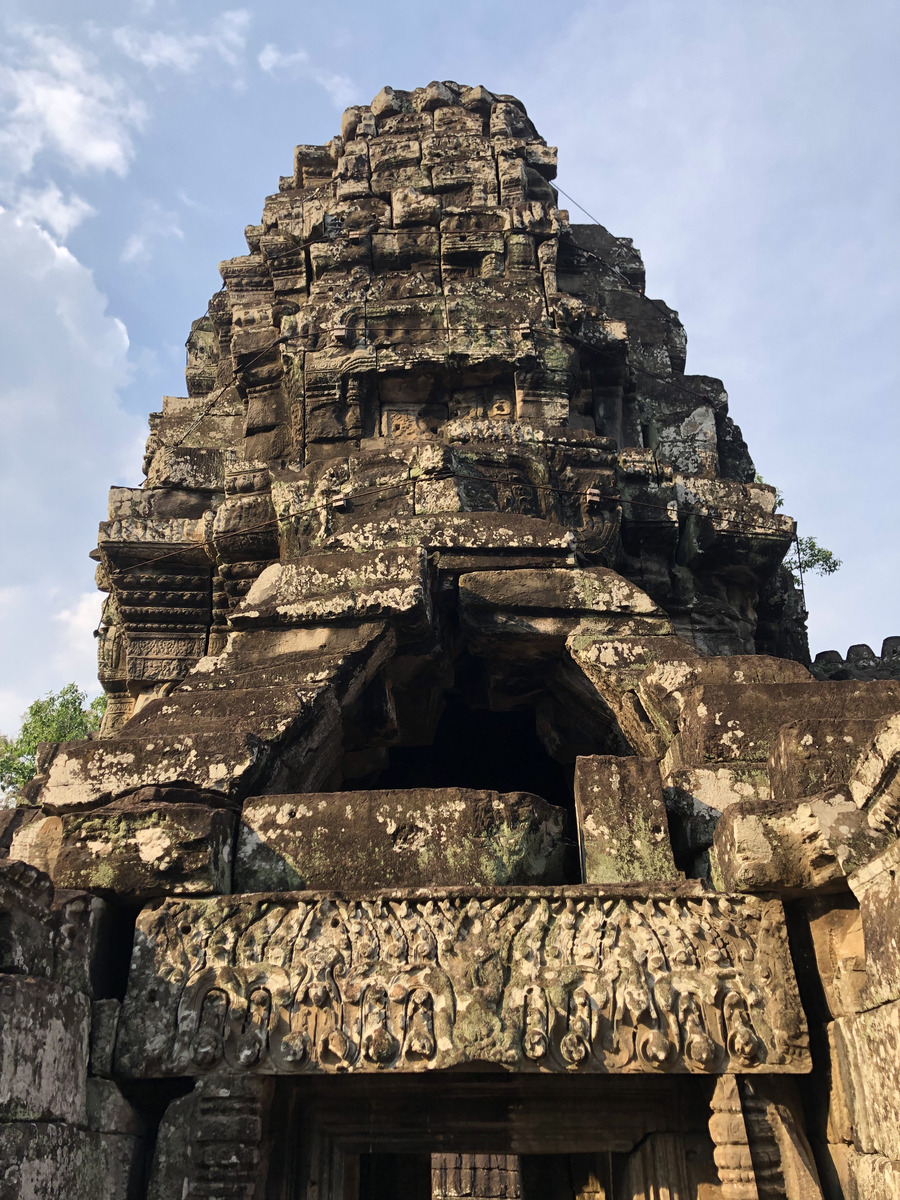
x=538, y=979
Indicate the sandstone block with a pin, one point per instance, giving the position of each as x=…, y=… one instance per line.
x=875, y=781
x=868, y=1050
x=615, y=667
x=537, y=610
x=45, y=1161
x=741, y=721
x=327, y=587
x=837, y=935
x=138, y=852
x=789, y=847
x=409, y=206
x=43, y=1050
x=811, y=756
x=441, y=836
x=872, y=1177
x=622, y=825
x=26, y=924
x=877, y=888
x=108, y=1111
x=225, y=758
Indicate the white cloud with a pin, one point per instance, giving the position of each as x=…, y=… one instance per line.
x=76, y=655
x=50, y=209
x=271, y=58
x=182, y=52
x=341, y=89
x=61, y=100
x=66, y=438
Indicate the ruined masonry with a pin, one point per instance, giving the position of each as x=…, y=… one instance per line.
x=466, y=821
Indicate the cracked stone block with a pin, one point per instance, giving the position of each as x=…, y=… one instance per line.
x=788, y=847
x=138, y=852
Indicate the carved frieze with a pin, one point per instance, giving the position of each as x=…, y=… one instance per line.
x=538, y=979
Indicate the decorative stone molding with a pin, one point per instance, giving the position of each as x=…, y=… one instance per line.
x=540, y=979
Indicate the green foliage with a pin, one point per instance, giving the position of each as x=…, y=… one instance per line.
x=808, y=557
x=815, y=559
x=59, y=717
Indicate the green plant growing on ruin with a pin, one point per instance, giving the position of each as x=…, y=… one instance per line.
x=808, y=557
x=815, y=559
x=58, y=717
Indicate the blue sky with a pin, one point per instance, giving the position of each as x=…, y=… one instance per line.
x=749, y=148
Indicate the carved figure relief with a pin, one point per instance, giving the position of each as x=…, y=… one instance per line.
x=540, y=980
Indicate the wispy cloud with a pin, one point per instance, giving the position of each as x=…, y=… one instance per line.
x=340, y=88
x=60, y=100
x=183, y=51
x=67, y=361
x=158, y=224
x=52, y=210
x=76, y=653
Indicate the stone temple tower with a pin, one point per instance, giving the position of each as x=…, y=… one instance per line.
x=465, y=821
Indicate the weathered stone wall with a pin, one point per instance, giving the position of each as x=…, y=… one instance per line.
x=860, y=662
x=64, y=1131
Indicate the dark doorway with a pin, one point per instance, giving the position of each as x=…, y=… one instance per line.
x=475, y=748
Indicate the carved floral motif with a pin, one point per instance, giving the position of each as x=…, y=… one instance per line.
x=546, y=979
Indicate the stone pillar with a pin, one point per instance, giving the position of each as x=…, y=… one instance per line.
x=732, y=1145
x=781, y=1155
x=211, y=1142
x=761, y=1150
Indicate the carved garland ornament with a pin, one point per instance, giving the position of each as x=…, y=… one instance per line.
x=549, y=980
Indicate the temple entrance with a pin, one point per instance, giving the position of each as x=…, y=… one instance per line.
x=476, y=748
x=475, y=1136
